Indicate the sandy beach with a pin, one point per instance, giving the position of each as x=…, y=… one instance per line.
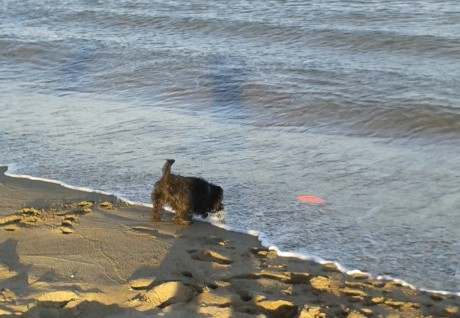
x=69, y=253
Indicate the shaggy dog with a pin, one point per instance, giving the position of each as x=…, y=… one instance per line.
x=185, y=195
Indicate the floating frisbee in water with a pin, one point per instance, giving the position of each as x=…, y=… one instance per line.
x=311, y=199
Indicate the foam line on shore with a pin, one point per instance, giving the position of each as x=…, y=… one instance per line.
x=10, y=168
x=216, y=222
x=307, y=257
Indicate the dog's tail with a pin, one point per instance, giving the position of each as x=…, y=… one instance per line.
x=167, y=169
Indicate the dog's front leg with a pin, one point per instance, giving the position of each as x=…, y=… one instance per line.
x=182, y=218
x=156, y=214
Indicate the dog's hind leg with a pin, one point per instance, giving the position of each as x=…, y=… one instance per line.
x=182, y=217
x=157, y=204
x=180, y=220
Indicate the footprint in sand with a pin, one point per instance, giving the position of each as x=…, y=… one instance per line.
x=210, y=256
x=28, y=217
x=145, y=230
x=216, y=240
x=66, y=230
x=8, y=220
x=67, y=223
x=153, y=232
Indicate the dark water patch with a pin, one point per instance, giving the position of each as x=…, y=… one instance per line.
x=402, y=121
x=227, y=79
x=77, y=62
x=388, y=41
x=22, y=51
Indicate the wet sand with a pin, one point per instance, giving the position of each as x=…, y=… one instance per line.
x=69, y=253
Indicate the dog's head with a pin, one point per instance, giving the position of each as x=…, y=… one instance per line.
x=217, y=195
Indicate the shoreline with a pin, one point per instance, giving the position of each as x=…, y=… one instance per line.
x=125, y=261
x=306, y=257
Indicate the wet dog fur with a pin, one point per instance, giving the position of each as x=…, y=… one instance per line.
x=185, y=195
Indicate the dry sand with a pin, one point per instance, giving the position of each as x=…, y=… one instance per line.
x=63, y=253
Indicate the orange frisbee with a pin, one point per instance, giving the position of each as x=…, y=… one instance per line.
x=311, y=199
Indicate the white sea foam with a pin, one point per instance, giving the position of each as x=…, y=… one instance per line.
x=12, y=167
x=217, y=220
x=308, y=257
